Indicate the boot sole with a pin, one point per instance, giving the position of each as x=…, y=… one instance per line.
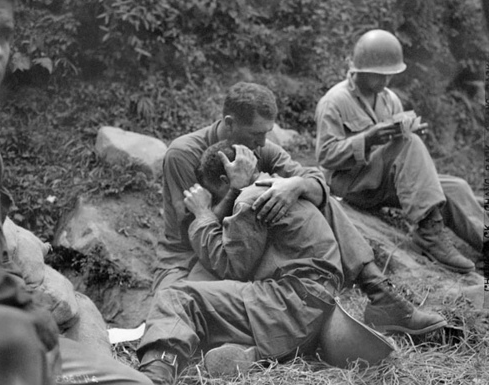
x=229, y=360
x=391, y=329
x=462, y=270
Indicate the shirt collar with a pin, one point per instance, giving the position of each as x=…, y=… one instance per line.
x=353, y=88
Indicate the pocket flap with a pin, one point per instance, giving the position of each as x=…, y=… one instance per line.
x=359, y=124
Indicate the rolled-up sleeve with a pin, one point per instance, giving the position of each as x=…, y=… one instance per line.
x=233, y=250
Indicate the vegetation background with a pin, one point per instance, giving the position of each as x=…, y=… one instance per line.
x=160, y=67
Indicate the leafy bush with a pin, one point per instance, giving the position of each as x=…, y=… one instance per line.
x=160, y=67
x=51, y=154
x=47, y=38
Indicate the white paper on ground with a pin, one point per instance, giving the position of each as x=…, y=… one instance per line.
x=124, y=335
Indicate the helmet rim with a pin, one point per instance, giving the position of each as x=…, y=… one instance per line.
x=378, y=51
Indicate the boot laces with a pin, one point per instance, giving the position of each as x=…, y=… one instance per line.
x=397, y=294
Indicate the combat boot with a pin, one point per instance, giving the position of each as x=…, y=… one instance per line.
x=389, y=312
x=230, y=359
x=432, y=240
x=159, y=366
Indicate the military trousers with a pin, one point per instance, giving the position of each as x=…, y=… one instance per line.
x=280, y=317
x=402, y=174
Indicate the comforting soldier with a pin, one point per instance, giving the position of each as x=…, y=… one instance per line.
x=277, y=281
x=249, y=113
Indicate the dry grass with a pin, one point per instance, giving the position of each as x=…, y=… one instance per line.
x=457, y=356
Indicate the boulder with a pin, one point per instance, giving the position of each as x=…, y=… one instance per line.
x=120, y=239
x=281, y=136
x=117, y=146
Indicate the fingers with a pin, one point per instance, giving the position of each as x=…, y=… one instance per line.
x=242, y=153
x=271, y=213
x=197, y=199
x=242, y=150
x=276, y=214
x=195, y=189
x=265, y=197
x=269, y=210
x=224, y=159
x=390, y=135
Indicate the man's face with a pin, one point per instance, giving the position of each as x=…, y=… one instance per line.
x=374, y=83
x=251, y=136
x=6, y=32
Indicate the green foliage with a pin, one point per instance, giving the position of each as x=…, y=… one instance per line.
x=51, y=154
x=439, y=37
x=184, y=37
x=47, y=37
x=160, y=67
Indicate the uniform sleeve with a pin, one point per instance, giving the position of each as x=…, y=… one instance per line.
x=338, y=146
x=233, y=250
x=275, y=160
x=179, y=175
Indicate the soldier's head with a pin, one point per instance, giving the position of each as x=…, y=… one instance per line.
x=377, y=56
x=211, y=173
x=249, y=113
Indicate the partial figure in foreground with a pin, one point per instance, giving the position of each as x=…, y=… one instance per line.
x=31, y=351
x=372, y=156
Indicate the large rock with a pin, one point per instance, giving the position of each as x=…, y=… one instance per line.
x=281, y=136
x=120, y=235
x=117, y=146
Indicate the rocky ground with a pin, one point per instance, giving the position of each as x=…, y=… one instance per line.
x=108, y=248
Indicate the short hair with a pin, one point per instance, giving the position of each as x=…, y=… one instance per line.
x=211, y=167
x=243, y=100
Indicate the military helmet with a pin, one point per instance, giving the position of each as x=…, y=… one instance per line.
x=378, y=51
x=344, y=340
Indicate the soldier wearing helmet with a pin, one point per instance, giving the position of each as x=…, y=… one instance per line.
x=371, y=156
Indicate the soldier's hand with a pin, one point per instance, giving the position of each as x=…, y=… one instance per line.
x=274, y=203
x=197, y=199
x=241, y=170
x=382, y=133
